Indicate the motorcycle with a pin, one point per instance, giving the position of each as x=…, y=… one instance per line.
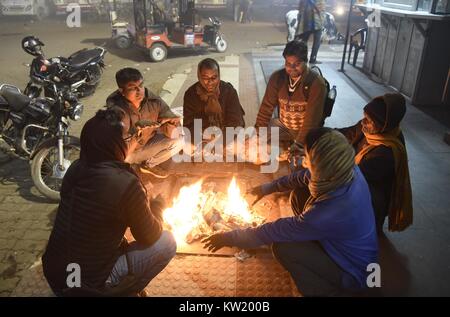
x=81, y=71
x=329, y=29
x=36, y=129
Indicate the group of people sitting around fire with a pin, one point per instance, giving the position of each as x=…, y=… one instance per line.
x=350, y=180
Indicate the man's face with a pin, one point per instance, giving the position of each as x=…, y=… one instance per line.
x=134, y=91
x=368, y=126
x=293, y=66
x=209, y=79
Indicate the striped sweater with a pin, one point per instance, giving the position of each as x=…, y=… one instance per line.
x=296, y=113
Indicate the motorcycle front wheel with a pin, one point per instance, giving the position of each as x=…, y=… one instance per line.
x=45, y=171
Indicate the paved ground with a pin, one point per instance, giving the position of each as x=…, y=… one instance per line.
x=414, y=262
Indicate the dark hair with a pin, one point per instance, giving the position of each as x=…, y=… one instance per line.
x=296, y=48
x=126, y=75
x=208, y=63
x=113, y=116
x=313, y=135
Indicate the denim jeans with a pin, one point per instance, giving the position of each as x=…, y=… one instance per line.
x=145, y=262
x=157, y=150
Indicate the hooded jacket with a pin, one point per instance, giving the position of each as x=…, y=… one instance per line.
x=101, y=197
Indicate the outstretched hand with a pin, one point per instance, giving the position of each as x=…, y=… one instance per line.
x=216, y=242
x=256, y=191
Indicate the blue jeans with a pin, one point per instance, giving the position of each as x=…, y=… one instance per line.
x=145, y=262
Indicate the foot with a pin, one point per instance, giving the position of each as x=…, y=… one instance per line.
x=143, y=293
x=156, y=171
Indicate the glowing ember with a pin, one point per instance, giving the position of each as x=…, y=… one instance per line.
x=197, y=213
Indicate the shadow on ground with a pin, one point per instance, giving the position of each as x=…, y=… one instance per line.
x=16, y=171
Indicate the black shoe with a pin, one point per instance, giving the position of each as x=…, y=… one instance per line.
x=155, y=171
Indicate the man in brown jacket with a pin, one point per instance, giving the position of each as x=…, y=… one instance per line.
x=298, y=92
x=212, y=100
x=158, y=139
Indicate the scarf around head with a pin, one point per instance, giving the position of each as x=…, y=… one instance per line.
x=400, y=209
x=331, y=163
x=213, y=109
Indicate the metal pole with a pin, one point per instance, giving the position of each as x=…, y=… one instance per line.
x=347, y=35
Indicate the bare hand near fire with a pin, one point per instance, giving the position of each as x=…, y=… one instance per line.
x=256, y=191
x=215, y=242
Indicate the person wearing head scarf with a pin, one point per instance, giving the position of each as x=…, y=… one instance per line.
x=329, y=242
x=381, y=155
x=101, y=196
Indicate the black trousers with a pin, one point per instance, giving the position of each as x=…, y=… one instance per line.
x=314, y=272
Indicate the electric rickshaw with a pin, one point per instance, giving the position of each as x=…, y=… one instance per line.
x=159, y=28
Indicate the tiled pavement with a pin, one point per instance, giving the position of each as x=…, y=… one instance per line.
x=414, y=262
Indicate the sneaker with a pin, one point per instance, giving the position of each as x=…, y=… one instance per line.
x=155, y=171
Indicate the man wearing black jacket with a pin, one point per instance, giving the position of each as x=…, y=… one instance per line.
x=101, y=196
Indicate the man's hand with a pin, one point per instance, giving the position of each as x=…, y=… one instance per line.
x=147, y=124
x=216, y=242
x=168, y=125
x=256, y=191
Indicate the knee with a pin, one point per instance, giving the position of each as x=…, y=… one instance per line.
x=279, y=251
x=168, y=244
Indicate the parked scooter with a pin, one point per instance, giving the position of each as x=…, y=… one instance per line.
x=329, y=30
x=36, y=129
x=81, y=71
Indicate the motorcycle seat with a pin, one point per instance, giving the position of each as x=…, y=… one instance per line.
x=16, y=100
x=82, y=58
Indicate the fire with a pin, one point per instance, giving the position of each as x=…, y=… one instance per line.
x=196, y=213
x=236, y=205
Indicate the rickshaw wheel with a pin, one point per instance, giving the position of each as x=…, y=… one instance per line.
x=221, y=45
x=158, y=52
x=123, y=42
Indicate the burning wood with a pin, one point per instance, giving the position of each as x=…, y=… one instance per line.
x=200, y=211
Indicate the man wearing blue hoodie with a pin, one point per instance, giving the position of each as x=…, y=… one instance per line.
x=329, y=243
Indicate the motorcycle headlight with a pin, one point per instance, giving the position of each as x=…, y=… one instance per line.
x=76, y=112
